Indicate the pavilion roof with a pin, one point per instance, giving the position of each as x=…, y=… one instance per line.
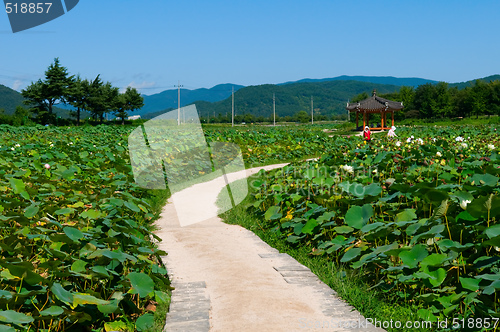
x=375, y=103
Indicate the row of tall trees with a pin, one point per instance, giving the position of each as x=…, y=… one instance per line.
x=93, y=96
x=441, y=100
x=301, y=116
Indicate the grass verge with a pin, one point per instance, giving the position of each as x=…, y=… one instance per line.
x=157, y=199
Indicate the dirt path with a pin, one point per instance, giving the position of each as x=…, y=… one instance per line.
x=227, y=279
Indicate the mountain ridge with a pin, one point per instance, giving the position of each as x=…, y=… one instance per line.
x=167, y=99
x=391, y=80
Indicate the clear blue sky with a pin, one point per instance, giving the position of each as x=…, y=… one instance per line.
x=153, y=44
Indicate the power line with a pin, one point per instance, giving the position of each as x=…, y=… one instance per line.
x=312, y=111
x=232, y=108
x=274, y=110
x=179, y=102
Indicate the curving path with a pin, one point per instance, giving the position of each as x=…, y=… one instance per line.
x=227, y=279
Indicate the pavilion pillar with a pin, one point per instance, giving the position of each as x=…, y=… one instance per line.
x=382, y=121
x=392, y=113
x=357, y=113
x=364, y=120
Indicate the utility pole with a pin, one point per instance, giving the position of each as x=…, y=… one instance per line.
x=179, y=103
x=312, y=111
x=232, y=109
x=274, y=110
x=348, y=113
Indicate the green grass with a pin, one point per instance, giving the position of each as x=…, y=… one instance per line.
x=482, y=120
x=349, y=284
x=160, y=317
x=158, y=198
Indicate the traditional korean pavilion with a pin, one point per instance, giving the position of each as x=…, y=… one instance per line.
x=375, y=104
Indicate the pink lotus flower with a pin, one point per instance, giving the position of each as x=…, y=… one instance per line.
x=47, y=166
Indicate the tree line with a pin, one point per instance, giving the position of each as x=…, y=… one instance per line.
x=301, y=116
x=435, y=101
x=96, y=97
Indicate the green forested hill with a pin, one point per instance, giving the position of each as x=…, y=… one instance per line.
x=330, y=98
x=9, y=99
x=399, y=81
x=463, y=85
x=168, y=98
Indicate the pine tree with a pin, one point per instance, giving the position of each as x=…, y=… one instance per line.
x=44, y=94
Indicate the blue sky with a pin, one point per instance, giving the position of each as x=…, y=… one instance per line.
x=153, y=44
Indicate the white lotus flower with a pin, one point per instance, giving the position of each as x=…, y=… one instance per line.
x=463, y=204
x=459, y=139
x=464, y=145
x=408, y=140
x=348, y=169
x=491, y=147
x=398, y=143
x=420, y=141
x=439, y=154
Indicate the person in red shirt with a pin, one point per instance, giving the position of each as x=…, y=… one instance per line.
x=367, y=134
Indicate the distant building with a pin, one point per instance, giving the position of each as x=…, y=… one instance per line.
x=133, y=117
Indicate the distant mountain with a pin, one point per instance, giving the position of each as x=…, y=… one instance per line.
x=158, y=103
x=329, y=97
x=9, y=99
x=407, y=81
x=487, y=79
x=168, y=98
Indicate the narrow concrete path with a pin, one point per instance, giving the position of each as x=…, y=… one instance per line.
x=227, y=279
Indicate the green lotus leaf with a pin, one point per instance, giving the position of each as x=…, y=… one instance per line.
x=358, y=216
x=141, y=283
x=53, y=310
x=350, y=254
x=61, y=293
x=144, y=322
x=415, y=255
x=273, y=213
x=73, y=233
x=11, y=316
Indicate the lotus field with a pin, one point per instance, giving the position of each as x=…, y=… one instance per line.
x=76, y=250
x=417, y=213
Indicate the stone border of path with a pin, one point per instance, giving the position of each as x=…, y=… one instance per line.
x=189, y=308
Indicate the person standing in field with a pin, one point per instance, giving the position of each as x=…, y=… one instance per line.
x=391, y=132
x=367, y=134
